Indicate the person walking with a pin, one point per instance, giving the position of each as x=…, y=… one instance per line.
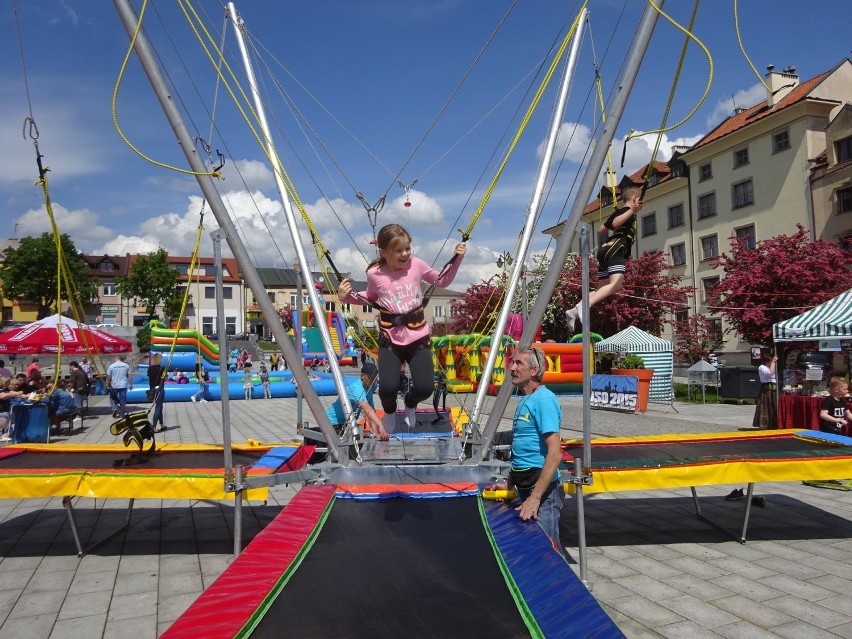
x=118, y=377
x=156, y=386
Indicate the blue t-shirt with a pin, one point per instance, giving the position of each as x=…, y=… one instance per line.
x=536, y=415
x=357, y=393
x=118, y=373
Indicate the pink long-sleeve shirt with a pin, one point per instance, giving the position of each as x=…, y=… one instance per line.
x=400, y=292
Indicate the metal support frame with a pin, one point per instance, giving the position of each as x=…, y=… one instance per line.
x=67, y=502
x=741, y=538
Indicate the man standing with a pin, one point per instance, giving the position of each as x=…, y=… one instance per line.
x=361, y=399
x=79, y=383
x=118, y=376
x=33, y=366
x=536, y=450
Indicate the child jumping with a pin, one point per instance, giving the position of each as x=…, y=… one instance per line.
x=393, y=284
x=614, y=253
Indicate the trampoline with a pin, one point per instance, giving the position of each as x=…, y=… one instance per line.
x=676, y=461
x=398, y=564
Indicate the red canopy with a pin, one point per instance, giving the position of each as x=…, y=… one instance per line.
x=46, y=335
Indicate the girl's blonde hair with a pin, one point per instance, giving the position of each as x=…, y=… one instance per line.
x=157, y=359
x=388, y=235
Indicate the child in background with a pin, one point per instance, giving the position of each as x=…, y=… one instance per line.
x=247, y=384
x=835, y=414
x=264, y=380
x=394, y=284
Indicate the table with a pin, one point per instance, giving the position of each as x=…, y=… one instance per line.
x=801, y=411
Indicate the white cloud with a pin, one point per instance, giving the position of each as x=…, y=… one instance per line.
x=253, y=174
x=81, y=225
x=744, y=98
x=574, y=143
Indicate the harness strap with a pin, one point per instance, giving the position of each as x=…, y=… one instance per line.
x=413, y=319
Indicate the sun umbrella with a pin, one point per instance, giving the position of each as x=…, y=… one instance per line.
x=50, y=334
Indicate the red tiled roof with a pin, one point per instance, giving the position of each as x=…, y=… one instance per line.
x=760, y=111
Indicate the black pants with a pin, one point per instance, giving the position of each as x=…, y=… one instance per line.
x=418, y=355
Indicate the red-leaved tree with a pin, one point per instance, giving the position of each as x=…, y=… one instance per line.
x=475, y=310
x=780, y=278
x=695, y=338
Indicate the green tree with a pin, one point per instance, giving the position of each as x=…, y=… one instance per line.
x=29, y=273
x=152, y=282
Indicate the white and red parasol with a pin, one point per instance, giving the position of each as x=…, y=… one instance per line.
x=50, y=334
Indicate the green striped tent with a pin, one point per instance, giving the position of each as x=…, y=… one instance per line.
x=656, y=351
x=831, y=319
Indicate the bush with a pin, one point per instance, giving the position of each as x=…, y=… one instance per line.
x=631, y=362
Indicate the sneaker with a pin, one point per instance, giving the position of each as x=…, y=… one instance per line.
x=410, y=417
x=735, y=495
x=5, y=438
x=203, y=401
x=571, y=318
x=389, y=422
x=758, y=501
x=193, y=399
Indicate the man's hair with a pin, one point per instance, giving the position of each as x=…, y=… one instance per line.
x=535, y=357
x=74, y=365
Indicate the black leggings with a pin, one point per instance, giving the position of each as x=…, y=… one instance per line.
x=419, y=357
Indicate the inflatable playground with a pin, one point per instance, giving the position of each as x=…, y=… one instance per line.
x=312, y=346
x=461, y=357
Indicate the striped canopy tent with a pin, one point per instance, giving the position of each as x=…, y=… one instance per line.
x=656, y=351
x=829, y=320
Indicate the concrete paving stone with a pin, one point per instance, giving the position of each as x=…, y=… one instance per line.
x=644, y=611
x=697, y=587
x=618, y=553
x=646, y=586
x=801, y=589
x=780, y=550
x=744, y=630
x=605, y=590
x=702, y=613
x=79, y=627
x=746, y=587
x=173, y=606
x=144, y=627
x=800, y=570
x=8, y=599
x=838, y=603
x=136, y=582
x=827, y=550
x=177, y=564
x=133, y=564
x=86, y=604
x=39, y=603
x=179, y=584
x=809, y=612
x=43, y=581
x=15, y=579
x=751, y=570
x=652, y=568
x=635, y=630
x=839, y=585
x=697, y=551
x=140, y=604
x=32, y=627
x=705, y=570
x=614, y=569
x=801, y=630
x=843, y=630
x=752, y=611
x=660, y=553
x=743, y=552
x=99, y=563
x=686, y=630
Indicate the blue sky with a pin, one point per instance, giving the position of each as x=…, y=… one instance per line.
x=368, y=78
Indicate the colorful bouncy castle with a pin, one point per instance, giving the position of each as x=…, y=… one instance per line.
x=312, y=345
x=189, y=344
x=461, y=357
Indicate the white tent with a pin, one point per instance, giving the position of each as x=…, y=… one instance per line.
x=657, y=353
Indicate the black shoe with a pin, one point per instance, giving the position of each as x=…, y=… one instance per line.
x=735, y=495
x=758, y=501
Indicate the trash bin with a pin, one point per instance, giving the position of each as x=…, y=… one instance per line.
x=30, y=422
x=739, y=382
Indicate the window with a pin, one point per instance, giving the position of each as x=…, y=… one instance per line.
x=230, y=325
x=679, y=254
x=109, y=289
x=606, y=198
x=330, y=306
x=227, y=293
x=780, y=141
x=106, y=266
x=438, y=311
x=207, y=325
x=654, y=179
x=649, y=224
x=705, y=172
x=271, y=296
x=843, y=148
x=140, y=320
x=709, y=247
x=844, y=200
x=678, y=169
x=706, y=205
x=747, y=233
x=715, y=326
x=675, y=215
x=345, y=308
x=681, y=316
x=108, y=319
x=742, y=194
x=708, y=284
x=740, y=157
x=365, y=308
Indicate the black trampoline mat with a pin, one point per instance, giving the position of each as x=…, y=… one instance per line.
x=397, y=568
x=68, y=460
x=427, y=422
x=667, y=453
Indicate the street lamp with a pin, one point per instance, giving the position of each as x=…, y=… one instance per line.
x=504, y=259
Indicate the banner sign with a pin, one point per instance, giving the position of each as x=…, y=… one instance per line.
x=615, y=392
